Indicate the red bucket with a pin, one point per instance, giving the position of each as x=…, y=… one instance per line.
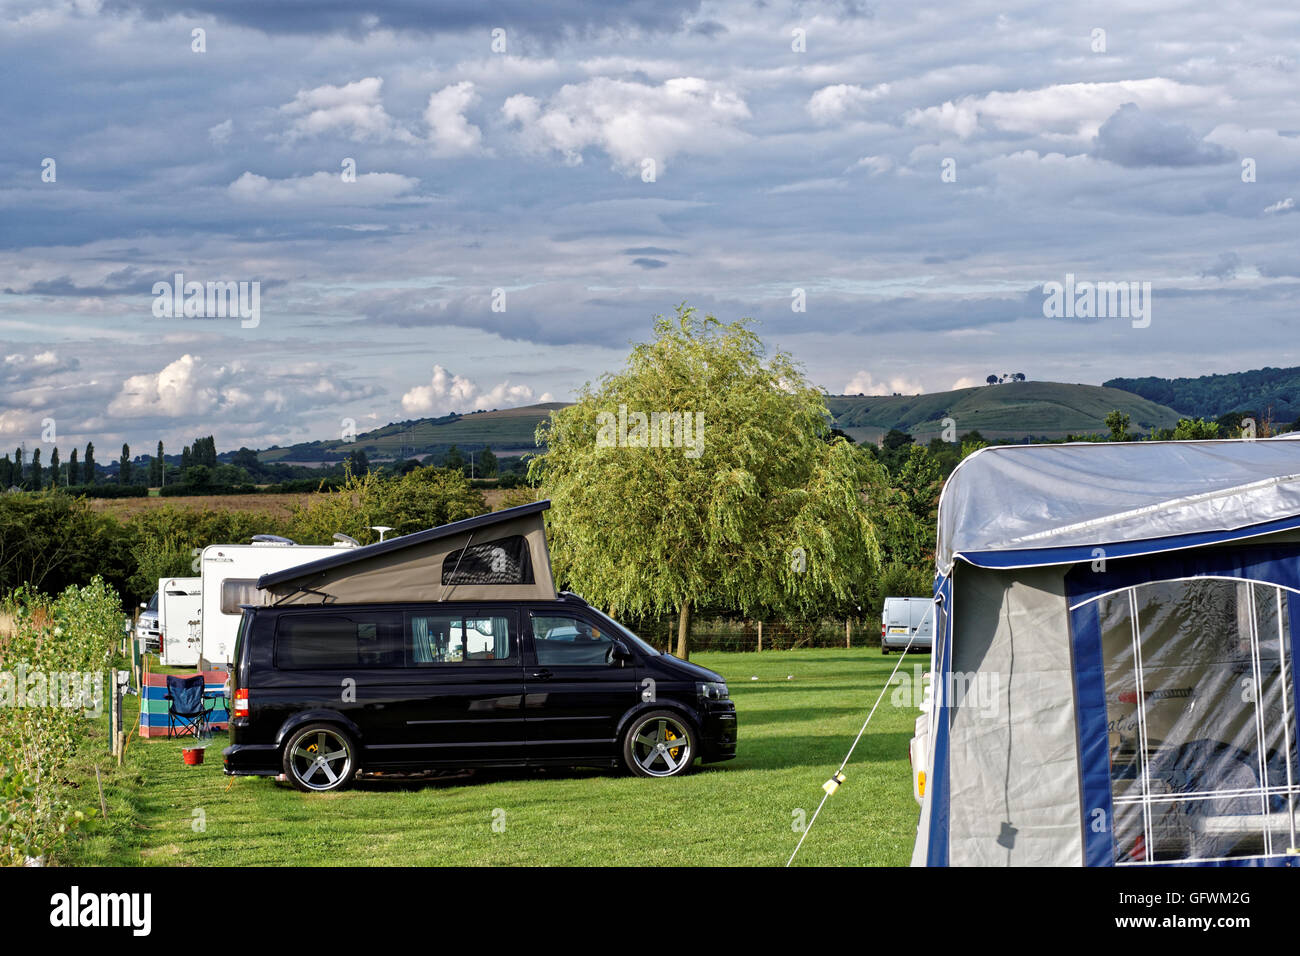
x=193, y=756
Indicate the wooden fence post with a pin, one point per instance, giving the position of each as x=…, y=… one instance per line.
x=848, y=633
x=119, y=680
x=114, y=711
x=760, y=637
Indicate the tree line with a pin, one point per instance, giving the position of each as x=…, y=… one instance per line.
x=1259, y=393
x=201, y=470
x=32, y=475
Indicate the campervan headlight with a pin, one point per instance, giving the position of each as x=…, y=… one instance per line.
x=712, y=690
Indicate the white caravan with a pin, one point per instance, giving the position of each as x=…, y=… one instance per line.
x=230, y=573
x=180, y=601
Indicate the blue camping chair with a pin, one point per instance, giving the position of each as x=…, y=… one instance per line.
x=187, y=712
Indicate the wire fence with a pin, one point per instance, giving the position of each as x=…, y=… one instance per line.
x=722, y=634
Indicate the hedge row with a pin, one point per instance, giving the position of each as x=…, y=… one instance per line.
x=106, y=491
x=296, y=486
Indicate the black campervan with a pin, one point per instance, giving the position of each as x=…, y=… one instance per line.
x=447, y=649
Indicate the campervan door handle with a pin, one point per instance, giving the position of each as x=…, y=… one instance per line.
x=542, y=674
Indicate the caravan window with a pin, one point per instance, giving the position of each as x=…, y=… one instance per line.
x=326, y=640
x=503, y=561
x=237, y=591
x=461, y=638
x=1201, y=717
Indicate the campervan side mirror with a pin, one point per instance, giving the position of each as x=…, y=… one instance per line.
x=619, y=653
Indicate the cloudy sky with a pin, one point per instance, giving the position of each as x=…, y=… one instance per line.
x=458, y=206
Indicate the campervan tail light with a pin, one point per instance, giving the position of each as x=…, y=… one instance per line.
x=241, y=702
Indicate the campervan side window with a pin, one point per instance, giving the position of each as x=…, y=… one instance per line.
x=568, y=641
x=324, y=641
x=461, y=638
x=237, y=591
x=503, y=561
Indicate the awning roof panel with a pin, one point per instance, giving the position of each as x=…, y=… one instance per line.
x=1027, y=498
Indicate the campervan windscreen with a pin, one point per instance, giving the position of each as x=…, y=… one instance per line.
x=621, y=629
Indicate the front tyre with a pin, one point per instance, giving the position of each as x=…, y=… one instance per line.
x=319, y=757
x=659, y=744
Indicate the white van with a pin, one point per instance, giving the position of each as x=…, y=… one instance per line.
x=180, y=602
x=230, y=573
x=907, y=621
x=147, y=634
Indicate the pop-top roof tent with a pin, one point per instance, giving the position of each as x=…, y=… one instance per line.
x=497, y=556
x=1113, y=656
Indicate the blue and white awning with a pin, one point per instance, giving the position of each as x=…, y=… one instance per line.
x=1033, y=505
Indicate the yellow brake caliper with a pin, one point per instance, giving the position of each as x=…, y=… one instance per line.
x=672, y=736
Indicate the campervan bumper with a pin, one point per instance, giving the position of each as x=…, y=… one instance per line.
x=251, y=760
x=897, y=642
x=149, y=637
x=718, y=731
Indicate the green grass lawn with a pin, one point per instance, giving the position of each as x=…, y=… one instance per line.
x=793, y=734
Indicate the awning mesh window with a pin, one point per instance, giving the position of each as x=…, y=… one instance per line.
x=1201, y=720
x=502, y=561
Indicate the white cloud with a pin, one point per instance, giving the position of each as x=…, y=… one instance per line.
x=1281, y=206
x=966, y=382
x=863, y=383
x=448, y=393
x=324, y=189
x=191, y=390
x=875, y=164
x=220, y=134
x=353, y=110
x=832, y=103
x=179, y=389
x=14, y=421
x=450, y=133
x=631, y=121
x=1070, y=109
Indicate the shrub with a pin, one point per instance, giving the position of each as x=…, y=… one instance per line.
x=74, y=634
x=423, y=498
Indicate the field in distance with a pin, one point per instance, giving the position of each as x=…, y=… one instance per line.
x=278, y=506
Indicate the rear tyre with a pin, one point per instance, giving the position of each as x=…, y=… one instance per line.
x=319, y=757
x=661, y=743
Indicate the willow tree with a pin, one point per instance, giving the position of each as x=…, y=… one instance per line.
x=704, y=473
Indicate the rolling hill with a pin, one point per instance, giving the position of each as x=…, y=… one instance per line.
x=1011, y=410
x=509, y=431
